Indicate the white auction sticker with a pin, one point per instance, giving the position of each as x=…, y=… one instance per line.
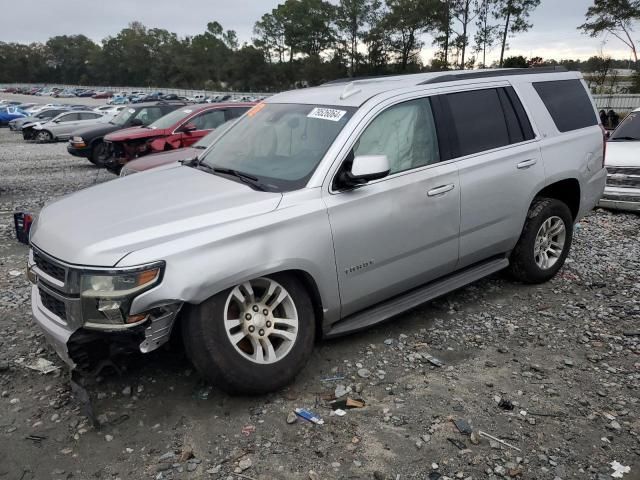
x=327, y=114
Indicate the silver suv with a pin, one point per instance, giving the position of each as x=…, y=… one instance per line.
x=321, y=212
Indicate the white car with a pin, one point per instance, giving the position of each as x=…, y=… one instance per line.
x=623, y=166
x=197, y=98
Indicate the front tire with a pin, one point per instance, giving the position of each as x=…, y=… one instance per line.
x=44, y=137
x=99, y=154
x=544, y=243
x=253, y=338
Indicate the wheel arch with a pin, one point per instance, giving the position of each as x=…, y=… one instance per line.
x=306, y=280
x=567, y=191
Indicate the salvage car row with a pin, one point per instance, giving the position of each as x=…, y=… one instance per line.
x=112, y=136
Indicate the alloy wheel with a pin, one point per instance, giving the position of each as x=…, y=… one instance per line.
x=261, y=320
x=549, y=242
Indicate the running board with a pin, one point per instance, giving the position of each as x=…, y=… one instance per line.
x=406, y=301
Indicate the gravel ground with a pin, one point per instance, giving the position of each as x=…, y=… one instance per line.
x=564, y=356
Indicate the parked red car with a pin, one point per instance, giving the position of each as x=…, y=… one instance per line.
x=102, y=94
x=181, y=128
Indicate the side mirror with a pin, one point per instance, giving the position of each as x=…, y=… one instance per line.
x=608, y=134
x=188, y=127
x=366, y=168
x=136, y=122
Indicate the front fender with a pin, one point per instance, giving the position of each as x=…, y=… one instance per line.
x=295, y=236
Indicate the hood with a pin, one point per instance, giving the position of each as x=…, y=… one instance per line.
x=134, y=133
x=162, y=158
x=99, y=130
x=623, y=154
x=98, y=226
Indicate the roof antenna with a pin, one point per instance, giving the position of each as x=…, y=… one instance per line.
x=349, y=90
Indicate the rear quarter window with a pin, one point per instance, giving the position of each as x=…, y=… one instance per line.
x=568, y=103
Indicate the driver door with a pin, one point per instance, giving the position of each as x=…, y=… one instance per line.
x=399, y=232
x=204, y=123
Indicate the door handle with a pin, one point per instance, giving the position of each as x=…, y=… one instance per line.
x=527, y=163
x=440, y=190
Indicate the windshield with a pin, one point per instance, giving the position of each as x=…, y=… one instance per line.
x=629, y=129
x=124, y=116
x=279, y=144
x=171, y=119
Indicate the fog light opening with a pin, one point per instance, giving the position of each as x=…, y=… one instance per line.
x=140, y=317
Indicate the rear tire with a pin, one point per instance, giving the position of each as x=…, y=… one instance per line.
x=544, y=243
x=219, y=342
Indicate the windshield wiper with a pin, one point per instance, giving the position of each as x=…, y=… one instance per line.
x=626, y=137
x=245, y=177
x=199, y=147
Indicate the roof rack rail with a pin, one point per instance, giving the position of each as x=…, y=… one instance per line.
x=338, y=81
x=493, y=73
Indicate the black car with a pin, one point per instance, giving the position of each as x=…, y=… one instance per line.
x=88, y=142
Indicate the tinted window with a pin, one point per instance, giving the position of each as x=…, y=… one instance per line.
x=148, y=115
x=89, y=116
x=405, y=133
x=208, y=120
x=70, y=117
x=629, y=129
x=568, y=103
x=235, y=112
x=478, y=121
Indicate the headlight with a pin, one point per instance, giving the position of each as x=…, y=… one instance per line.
x=78, y=141
x=106, y=297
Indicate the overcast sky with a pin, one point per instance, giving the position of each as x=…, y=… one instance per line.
x=553, y=35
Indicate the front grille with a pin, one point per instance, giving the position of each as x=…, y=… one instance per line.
x=52, y=304
x=622, y=198
x=625, y=170
x=623, y=177
x=48, y=267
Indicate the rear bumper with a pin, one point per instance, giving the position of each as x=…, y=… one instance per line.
x=592, y=192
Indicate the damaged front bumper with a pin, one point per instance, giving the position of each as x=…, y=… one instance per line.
x=56, y=309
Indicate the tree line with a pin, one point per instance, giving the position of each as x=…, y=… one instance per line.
x=298, y=43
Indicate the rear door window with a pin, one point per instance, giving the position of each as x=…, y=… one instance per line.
x=70, y=117
x=235, y=112
x=89, y=116
x=478, y=121
x=568, y=103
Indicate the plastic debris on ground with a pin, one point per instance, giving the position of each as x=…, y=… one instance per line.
x=347, y=404
x=41, y=365
x=618, y=469
x=495, y=439
x=248, y=430
x=433, y=360
x=463, y=426
x=309, y=416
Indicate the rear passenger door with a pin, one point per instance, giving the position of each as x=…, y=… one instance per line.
x=500, y=167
